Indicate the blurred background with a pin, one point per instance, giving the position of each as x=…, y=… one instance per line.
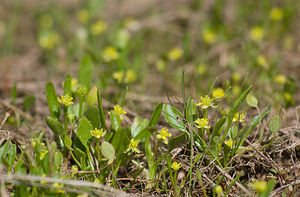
x=146, y=45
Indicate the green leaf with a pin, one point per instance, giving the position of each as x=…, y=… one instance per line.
x=155, y=115
x=11, y=156
x=92, y=96
x=274, y=123
x=67, y=141
x=115, y=120
x=101, y=111
x=3, y=150
x=175, y=141
x=54, y=125
x=58, y=159
x=92, y=114
x=138, y=126
x=251, y=101
x=174, y=117
x=108, y=150
x=67, y=85
x=84, y=131
x=121, y=139
x=86, y=71
x=190, y=110
x=218, y=126
x=53, y=104
x=270, y=186
x=29, y=102
x=257, y=119
x=80, y=156
x=20, y=167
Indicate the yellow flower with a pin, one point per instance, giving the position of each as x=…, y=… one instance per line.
x=257, y=33
x=43, y=154
x=280, y=79
x=83, y=16
x=218, y=189
x=239, y=116
x=46, y=21
x=236, y=90
x=218, y=93
x=74, y=170
x=96, y=180
x=205, y=102
x=98, y=133
x=98, y=28
x=236, y=76
x=48, y=39
x=259, y=186
x=160, y=65
x=129, y=77
x=229, y=143
x=119, y=110
x=262, y=61
x=276, y=14
x=66, y=100
x=287, y=96
x=202, y=123
x=110, y=54
x=209, y=36
x=201, y=68
x=176, y=166
x=175, y=54
x=163, y=134
x=58, y=185
x=133, y=146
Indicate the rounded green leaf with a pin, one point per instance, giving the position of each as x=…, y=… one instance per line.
x=108, y=150
x=53, y=104
x=274, y=123
x=54, y=125
x=174, y=118
x=92, y=96
x=252, y=101
x=84, y=131
x=67, y=141
x=58, y=159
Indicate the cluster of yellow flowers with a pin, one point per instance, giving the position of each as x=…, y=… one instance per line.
x=257, y=33
x=83, y=16
x=202, y=123
x=130, y=76
x=262, y=61
x=98, y=28
x=239, y=117
x=98, y=133
x=49, y=39
x=205, y=102
x=176, y=166
x=280, y=79
x=209, y=36
x=120, y=111
x=66, y=100
x=175, y=54
x=109, y=54
x=163, y=134
x=133, y=146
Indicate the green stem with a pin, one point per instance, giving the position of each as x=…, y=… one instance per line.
x=65, y=119
x=80, y=106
